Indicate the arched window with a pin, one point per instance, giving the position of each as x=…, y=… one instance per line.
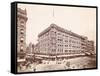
x=21, y=39
x=22, y=21
x=22, y=31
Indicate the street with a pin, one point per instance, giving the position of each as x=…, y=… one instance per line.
x=73, y=63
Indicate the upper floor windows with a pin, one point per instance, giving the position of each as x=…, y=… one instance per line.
x=66, y=45
x=21, y=39
x=22, y=21
x=60, y=39
x=22, y=31
x=66, y=50
x=66, y=40
x=59, y=33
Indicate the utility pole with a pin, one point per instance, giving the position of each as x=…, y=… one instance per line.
x=53, y=14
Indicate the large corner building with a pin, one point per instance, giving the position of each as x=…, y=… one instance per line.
x=59, y=42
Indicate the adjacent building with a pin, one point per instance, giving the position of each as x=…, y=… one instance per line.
x=21, y=35
x=90, y=47
x=36, y=49
x=30, y=52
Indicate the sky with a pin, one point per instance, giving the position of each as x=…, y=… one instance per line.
x=76, y=19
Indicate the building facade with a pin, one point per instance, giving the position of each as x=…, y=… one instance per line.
x=57, y=41
x=90, y=47
x=36, y=49
x=21, y=34
x=30, y=53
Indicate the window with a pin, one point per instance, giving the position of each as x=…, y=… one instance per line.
x=22, y=26
x=54, y=50
x=21, y=48
x=66, y=50
x=66, y=45
x=66, y=36
x=22, y=31
x=60, y=39
x=66, y=41
x=59, y=34
x=21, y=39
x=22, y=22
x=69, y=45
x=21, y=57
x=58, y=45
